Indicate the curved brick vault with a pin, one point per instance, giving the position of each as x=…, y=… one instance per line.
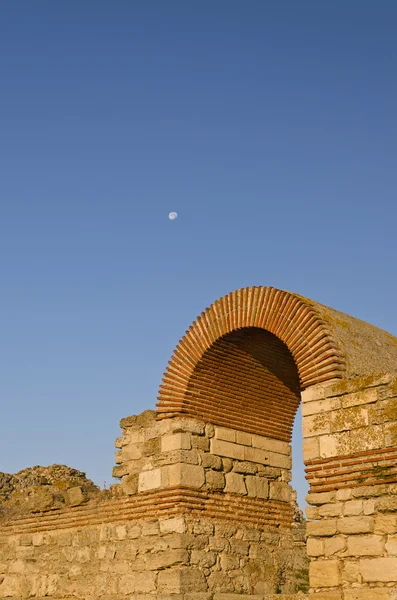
x=246, y=358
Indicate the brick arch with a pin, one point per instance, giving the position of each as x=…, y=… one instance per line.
x=263, y=339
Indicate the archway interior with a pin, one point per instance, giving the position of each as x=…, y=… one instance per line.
x=246, y=380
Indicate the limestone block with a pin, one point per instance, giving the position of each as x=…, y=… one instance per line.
x=351, y=525
x=265, y=443
x=130, y=484
x=280, y=491
x=379, y=569
x=245, y=467
x=200, y=443
x=312, y=513
x=368, y=594
x=180, y=580
x=228, y=449
x=325, y=573
x=131, y=452
x=385, y=523
x=334, y=545
x=333, y=595
x=314, y=392
x=387, y=504
x=311, y=448
x=368, y=438
x=149, y=480
x=315, y=547
x=322, y=528
x=215, y=480
x=176, y=441
x=334, y=509
x=369, y=507
x=391, y=545
x=320, y=498
x=353, y=508
x=235, y=484
x=172, y=525
x=343, y=494
x=351, y=571
x=186, y=475
x=365, y=545
x=211, y=461
x=167, y=558
x=258, y=487
x=367, y=396
x=223, y=433
x=335, y=444
x=137, y=583
x=187, y=425
x=314, y=425
x=347, y=419
x=320, y=406
x=244, y=438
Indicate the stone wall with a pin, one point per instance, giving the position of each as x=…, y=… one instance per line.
x=350, y=452
x=201, y=510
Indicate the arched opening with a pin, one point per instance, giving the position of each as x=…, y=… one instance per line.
x=246, y=380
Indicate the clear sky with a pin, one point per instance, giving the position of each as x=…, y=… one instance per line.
x=269, y=126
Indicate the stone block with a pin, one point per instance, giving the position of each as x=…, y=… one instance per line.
x=367, y=396
x=315, y=547
x=235, y=484
x=379, y=569
x=215, y=480
x=365, y=545
x=137, y=583
x=223, y=433
x=385, y=523
x=149, y=480
x=343, y=494
x=130, y=484
x=347, y=419
x=75, y=496
x=353, y=508
x=186, y=475
x=320, y=406
x=391, y=545
x=335, y=444
x=387, y=504
x=280, y=491
x=352, y=525
x=323, y=528
x=265, y=443
x=211, y=461
x=368, y=438
x=172, y=525
x=315, y=425
x=368, y=594
x=228, y=449
x=334, y=509
x=176, y=441
x=314, y=392
x=258, y=487
x=325, y=573
x=320, y=498
x=334, y=545
x=311, y=448
x=181, y=580
x=244, y=438
x=245, y=467
x=312, y=513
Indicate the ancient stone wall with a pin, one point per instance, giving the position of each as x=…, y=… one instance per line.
x=200, y=509
x=350, y=452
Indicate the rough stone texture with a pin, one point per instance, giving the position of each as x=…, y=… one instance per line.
x=352, y=524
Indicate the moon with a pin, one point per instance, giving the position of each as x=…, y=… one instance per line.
x=172, y=216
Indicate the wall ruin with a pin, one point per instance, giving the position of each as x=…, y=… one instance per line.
x=204, y=509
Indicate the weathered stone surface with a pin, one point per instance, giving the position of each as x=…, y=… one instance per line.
x=325, y=573
x=378, y=569
x=235, y=484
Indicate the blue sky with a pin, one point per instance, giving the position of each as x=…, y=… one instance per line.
x=270, y=127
